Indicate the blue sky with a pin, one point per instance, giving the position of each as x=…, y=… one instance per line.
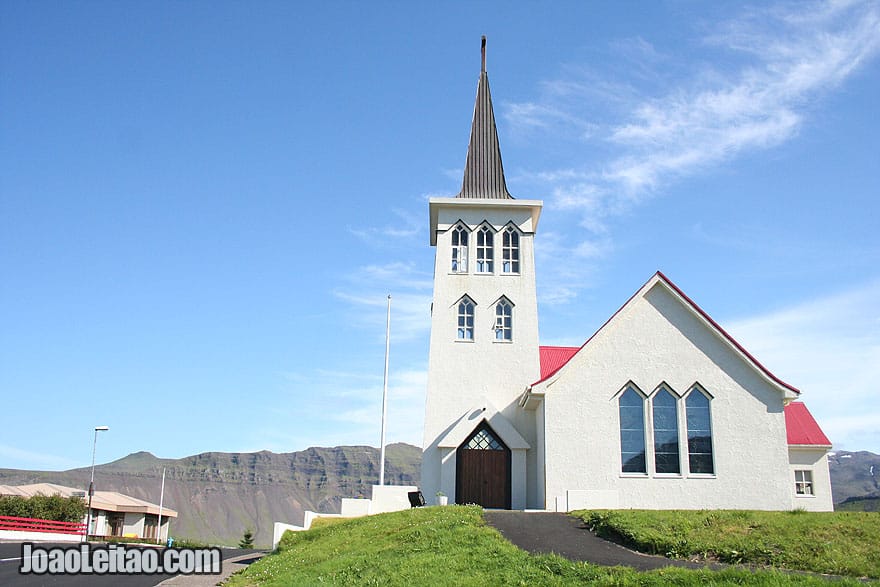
x=203, y=205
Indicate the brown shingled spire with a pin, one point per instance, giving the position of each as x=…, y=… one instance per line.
x=483, y=173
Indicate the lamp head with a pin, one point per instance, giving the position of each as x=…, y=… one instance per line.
x=101, y=428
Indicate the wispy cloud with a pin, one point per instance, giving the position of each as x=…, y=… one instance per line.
x=830, y=349
x=409, y=226
x=14, y=456
x=778, y=61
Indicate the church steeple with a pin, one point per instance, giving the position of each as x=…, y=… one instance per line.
x=483, y=172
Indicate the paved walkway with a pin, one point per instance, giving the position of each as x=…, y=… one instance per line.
x=229, y=566
x=569, y=537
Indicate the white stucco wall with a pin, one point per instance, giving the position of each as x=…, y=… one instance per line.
x=461, y=374
x=653, y=340
x=814, y=460
x=133, y=524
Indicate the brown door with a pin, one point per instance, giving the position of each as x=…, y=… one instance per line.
x=483, y=470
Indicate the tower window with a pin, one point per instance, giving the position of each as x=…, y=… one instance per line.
x=465, y=319
x=503, y=320
x=459, y=249
x=510, y=250
x=485, y=249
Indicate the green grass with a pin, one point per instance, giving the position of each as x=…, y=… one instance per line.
x=837, y=543
x=452, y=546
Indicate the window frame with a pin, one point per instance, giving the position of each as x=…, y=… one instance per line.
x=631, y=387
x=458, y=260
x=503, y=302
x=665, y=390
x=485, y=252
x=805, y=482
x=461, y=319
x=696, y=388
x=511, y=254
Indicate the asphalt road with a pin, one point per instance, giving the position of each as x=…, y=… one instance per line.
x=10, y=562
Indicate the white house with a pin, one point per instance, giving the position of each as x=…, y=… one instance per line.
x=659, y=409
x=113, y=514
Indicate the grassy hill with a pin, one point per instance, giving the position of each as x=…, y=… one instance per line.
x=219, y=495
x=452, y=546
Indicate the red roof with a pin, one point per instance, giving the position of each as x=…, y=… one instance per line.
x=802, y=428
x=554, y=358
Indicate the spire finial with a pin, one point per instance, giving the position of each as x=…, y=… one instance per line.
x=483, y=54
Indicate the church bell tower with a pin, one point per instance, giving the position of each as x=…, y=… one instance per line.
x=478, y=444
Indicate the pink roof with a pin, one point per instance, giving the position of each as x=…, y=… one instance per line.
x=802, y=428
x=555, y=357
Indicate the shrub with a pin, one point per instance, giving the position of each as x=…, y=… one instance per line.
x=44, y=507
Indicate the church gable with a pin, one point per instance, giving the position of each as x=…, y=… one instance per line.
x=647, y=323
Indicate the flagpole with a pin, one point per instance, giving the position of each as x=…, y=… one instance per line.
x=161, y=503
x=385, y=395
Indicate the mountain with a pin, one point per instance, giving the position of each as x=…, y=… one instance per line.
x=219, y=495
x=855, y=479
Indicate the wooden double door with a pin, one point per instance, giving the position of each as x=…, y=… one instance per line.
x=483, y=470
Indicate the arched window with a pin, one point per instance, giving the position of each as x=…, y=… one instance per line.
x=459, y=249
x=632, y=431
x=665, y=411
x=510, y=250
x=485, y=249
x=503, y=320
x=465, y=319
x=699, y=432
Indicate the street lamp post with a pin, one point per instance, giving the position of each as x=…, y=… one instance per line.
x=92, y=479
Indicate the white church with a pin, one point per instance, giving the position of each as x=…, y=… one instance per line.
x=659, y=409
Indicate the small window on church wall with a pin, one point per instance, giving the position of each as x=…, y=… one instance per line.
x=632, y=431
x=466, y=319
x=510, y=250
x=665, y=412
x=503, y=321
x=699, y=433
x=459, y=249
x=485, y=249
x=803, y=482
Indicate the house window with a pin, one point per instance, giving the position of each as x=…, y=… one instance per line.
x=485, y=249
x=699, y=433
x=503, y=320
x=632, y=431
x=459, y=249
x=466, y=319
x=510, y=250
x=803, y=482
x=665, y=413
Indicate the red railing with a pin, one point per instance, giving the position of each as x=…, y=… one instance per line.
x=37, y=525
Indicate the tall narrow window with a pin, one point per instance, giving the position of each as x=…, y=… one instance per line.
x=459, y=249
x=485, y=249
x=699, y=432
x=510, y=250
x=665, y=411
x=465, y=319
x=503, y=320
x=632, y=431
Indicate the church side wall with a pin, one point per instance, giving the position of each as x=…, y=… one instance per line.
x=656, y=340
